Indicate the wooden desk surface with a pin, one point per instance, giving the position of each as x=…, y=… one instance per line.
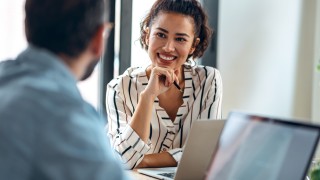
x=137, y=176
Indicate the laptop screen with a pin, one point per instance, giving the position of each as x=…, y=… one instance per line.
x=254, y=147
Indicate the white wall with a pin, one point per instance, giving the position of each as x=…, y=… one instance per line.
x=266, y=56
x=316, y=73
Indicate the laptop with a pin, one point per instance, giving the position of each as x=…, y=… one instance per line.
x=258, y=147
x=200, y=145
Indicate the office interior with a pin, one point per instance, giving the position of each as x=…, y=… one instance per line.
x=268, y=52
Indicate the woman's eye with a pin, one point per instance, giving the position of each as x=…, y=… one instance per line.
x=161, y=35
x=181, y=39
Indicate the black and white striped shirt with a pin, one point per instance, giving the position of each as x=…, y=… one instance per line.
x=201, y=100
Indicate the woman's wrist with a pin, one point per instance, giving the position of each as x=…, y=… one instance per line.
x=147, y=95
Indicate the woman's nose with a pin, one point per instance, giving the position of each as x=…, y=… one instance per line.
x=169, y=46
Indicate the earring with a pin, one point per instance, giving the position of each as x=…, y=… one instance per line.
x=190, y=63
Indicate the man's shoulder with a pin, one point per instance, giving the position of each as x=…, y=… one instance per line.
x=38, y=99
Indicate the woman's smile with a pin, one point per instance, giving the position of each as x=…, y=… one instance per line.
x=166, y=59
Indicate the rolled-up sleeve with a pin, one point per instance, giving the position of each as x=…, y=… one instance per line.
x=176, y=154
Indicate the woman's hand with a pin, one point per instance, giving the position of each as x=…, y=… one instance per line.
x=161, y=79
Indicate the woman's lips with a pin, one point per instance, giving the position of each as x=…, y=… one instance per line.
x=166, y=57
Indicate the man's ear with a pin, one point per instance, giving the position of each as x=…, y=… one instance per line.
x=97, y=41
x=195, y=44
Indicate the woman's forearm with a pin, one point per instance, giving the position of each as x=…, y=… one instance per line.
x=163, y=159
x=140, y=122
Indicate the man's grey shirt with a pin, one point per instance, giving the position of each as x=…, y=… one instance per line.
x=47, y=130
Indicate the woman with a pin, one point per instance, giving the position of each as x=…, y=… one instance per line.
x=151, y=109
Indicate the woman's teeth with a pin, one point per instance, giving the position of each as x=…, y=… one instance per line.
x=167, y=58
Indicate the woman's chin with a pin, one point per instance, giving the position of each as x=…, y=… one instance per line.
x=166, y=63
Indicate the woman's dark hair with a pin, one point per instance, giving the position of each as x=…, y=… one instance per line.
x=190, y=8
x=63, y=26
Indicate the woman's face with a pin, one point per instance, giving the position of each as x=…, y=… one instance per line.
x=170, y=40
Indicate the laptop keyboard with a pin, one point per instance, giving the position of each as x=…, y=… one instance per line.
x=169, y=175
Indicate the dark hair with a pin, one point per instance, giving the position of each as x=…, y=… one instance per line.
x=63, y=26
x=190, y=8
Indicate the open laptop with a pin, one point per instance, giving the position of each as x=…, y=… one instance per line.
x=200, y=145
x=257, y=147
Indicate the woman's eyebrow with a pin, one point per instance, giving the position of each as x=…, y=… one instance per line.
x=179, y=34
x=182, y=34
x=161, y=29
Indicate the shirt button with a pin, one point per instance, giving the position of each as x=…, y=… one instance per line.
x=164, y=149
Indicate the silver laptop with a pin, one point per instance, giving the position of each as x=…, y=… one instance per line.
x=255, y=147
x=200, y=145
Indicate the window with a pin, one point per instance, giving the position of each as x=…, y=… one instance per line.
x=139, y=57
x=12, y=36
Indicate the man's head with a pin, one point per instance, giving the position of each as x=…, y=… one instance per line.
x=64, y=27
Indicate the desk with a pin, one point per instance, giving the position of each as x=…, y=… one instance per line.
x=137, y=176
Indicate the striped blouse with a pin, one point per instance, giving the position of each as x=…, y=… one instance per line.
x=201, y=100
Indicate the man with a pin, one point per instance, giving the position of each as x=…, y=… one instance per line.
x=47, y=131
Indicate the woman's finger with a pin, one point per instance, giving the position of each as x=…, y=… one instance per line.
x=176, y=73
x=167, y=73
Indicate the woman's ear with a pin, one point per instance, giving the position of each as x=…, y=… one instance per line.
x=147, y=31
x=195, y=44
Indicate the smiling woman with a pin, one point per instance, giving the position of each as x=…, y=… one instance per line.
x=149, y=117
